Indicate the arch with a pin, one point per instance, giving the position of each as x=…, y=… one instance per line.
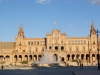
x=35, y=57
x=7, y=56
x=26, y=57
x=73, y=56
x=20, y=58
x=93, y=57
x=56, y=47
x=55, y=57
x=87, y=57
x=15, y=58
x=30, y=57
x=50, y=47
x=39, y=57
x=62, y=59
x=62, y=47
x=82, y=56
x=68, y=57
x=77, y=56
x=1, y=58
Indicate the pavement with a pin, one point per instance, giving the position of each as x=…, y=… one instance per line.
x=69, y=70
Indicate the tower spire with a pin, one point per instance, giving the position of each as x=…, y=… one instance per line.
x=92, y=26
x=21, y=31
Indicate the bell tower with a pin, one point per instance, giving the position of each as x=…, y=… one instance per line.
x=21, y=32
x=92, y=30
x=93, y=37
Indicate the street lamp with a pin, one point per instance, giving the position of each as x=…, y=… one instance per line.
x=98, y=48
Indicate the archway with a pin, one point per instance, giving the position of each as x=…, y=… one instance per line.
x=62, y=59
x=15, y=58
x=82, y=57
x=62, y=47
x=93, y=57
x=87, y=58
x=26, y=57
x=55, y=57
x=20, y=58
x=35, y=58
x=1, y=59
x=7, y=58
x=39, y=57
x=68, y=57
x=73, y=56
x=56, y=48
x=30, y=57
x=77, y=56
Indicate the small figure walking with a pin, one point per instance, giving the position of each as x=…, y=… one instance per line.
x=82, y=65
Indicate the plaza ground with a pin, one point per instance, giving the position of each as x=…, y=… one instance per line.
x=69, y=70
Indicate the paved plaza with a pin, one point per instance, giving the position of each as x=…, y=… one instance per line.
x=70, y=70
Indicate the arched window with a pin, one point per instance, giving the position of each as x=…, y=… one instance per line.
x=56, y=48
x=50, y=47
x=62, y=48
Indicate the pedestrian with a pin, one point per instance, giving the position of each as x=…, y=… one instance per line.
x=82, y=65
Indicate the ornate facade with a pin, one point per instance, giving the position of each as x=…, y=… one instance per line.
x=57, y=44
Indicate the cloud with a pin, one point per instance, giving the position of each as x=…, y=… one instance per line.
x=95, y=2
x=43, y=1
x=0, y=0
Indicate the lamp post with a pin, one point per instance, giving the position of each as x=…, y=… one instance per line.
x=98, y=48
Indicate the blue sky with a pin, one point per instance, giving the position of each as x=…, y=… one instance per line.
x=38, y=16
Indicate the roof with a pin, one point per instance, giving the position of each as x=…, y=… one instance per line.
x=7, y=45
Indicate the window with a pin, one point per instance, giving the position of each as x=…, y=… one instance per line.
x=62, y=48
x=29, y=43
x=84, y=42
x=70, y=48
x=23, y=50
x=36, y=49
x=37, y=43
x=83, y=48
x=62, y=41
x=94, y=47
x=50, y=47
x=77, y=48
x=49, y=41
x=56, y=48
x=34, y=42
x=42, y=49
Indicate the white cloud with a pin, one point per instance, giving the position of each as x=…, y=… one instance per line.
x=0, y=0
x=95, y=2
x=43, y=1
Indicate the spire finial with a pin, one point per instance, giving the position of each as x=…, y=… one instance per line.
x=92, y=26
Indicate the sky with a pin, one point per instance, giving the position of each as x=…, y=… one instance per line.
x=39, y=17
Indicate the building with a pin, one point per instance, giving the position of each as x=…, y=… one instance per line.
x=58, y=45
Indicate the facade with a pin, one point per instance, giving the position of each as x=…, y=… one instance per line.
x=58, y=45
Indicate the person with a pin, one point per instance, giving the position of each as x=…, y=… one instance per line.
x=82, y=65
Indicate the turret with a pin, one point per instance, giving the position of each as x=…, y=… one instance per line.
x=21, y=32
